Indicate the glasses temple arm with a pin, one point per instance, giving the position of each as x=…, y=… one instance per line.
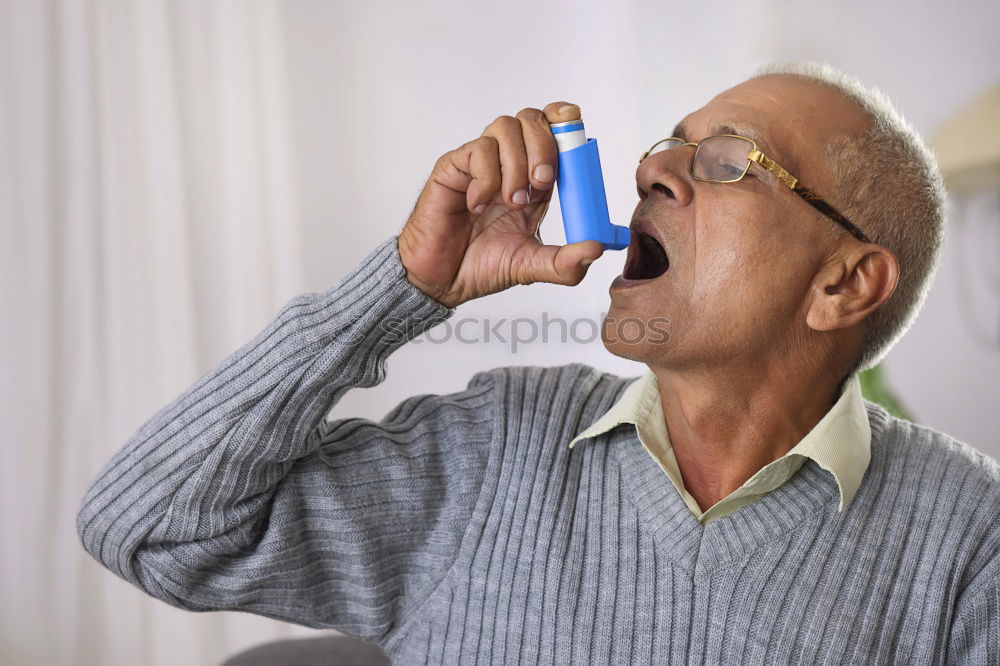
x=816, y=202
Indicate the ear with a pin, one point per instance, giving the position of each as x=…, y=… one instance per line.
x=851, y=287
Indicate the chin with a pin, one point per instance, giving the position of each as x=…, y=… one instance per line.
x=635, y=338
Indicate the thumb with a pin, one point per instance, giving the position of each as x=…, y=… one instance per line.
x=562, y=264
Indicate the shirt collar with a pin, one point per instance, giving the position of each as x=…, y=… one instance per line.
x=840, y=442
x=628, y=408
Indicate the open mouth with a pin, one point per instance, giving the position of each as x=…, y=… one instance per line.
x=646, y=258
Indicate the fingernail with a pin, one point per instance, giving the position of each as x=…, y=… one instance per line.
x=543, y=172
x=521, y=197
x=568, y=107
x=480, y=208
x=586, y=262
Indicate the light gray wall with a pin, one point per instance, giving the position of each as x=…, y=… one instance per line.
x=378, y=95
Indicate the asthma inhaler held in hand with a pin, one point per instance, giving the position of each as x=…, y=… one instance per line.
x=581, y=189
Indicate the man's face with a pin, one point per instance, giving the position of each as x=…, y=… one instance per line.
x=740, y=256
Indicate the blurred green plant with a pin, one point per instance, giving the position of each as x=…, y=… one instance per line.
x=875, y=388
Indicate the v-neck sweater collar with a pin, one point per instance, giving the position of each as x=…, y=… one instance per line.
x=839, y=443
x=808, y=494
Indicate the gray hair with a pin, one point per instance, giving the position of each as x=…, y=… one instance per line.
x=888, y=183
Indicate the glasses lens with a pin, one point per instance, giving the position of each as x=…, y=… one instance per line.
x=722, y=158
x=665, y=144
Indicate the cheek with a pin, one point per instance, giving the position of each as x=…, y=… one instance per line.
x=765, y=290
x=727, y=263
x=742, y=267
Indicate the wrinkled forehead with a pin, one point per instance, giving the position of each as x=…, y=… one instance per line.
x=791, y=119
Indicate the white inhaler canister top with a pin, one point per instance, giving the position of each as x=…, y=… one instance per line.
x=570, y=137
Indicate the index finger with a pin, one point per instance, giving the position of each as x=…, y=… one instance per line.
x=540, y=145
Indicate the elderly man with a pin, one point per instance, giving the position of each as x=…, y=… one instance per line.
x=740, y=503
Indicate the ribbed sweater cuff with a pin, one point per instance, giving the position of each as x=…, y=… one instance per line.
x=373, y=307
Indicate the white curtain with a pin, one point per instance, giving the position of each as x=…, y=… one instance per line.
x=148, y=229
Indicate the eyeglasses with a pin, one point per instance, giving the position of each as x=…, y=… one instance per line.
x=725, y=158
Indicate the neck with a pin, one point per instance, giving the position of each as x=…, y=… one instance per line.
x=725, y=424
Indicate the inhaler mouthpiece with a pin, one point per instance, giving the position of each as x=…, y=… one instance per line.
x=580, y=183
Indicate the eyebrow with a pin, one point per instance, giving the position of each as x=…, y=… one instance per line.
x=725, y=128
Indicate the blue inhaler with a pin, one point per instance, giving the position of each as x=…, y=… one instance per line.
x=581, y=189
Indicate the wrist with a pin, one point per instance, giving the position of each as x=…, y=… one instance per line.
x=435, y=292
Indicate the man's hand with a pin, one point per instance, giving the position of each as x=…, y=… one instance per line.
x=474, y=231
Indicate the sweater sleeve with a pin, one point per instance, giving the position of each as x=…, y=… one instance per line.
x=975, y=630
x=239, y=495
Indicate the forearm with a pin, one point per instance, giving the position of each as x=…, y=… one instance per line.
x=208, y=461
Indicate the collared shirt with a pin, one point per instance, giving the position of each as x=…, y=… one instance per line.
x=840, y=443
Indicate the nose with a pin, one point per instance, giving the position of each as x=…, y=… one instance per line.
x=667, y=176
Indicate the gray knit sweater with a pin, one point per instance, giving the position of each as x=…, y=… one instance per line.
x=460, y=529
